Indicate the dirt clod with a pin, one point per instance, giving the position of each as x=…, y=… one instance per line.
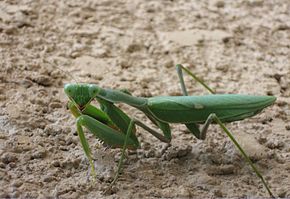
x=7, y=158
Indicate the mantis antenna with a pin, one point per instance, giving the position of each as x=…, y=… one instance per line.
x=66, y=73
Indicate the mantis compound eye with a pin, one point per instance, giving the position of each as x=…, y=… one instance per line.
x=69, y=89
x=93, y=90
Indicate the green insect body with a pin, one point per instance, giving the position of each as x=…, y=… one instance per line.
x=116, y=129
x=196, y=109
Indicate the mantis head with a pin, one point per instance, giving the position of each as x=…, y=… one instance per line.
x=81, y=94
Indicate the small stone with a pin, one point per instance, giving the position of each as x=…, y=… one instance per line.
x=4, y=195
x=12, y=165
x=48, y=178
x=75, y=54
x=281, y=192
x=110, y=190
x=222, y=67
x=28, y=44
x=150, y=153
x=43, y=80
x=218, y=193
x=7, y=158
x=221, y=170
x=55, y=163
x=15, y=194
x=169, y=64
x=63, y=148
x=17, y=183
x=262, y=139
x=125, y=63
x=10, y=30
x=68, y=164
x=177, y=152
x=54, y=105
x=26, y=83
x=76, y=163
x=39, y=154
x=133, y=48
x=220, y=4
x=275, y=144
x=100, y=52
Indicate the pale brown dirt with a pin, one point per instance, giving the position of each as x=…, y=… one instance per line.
x=235, y=46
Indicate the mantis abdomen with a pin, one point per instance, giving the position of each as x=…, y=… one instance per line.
x=189, y=109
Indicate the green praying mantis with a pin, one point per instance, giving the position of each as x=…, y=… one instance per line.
x=115, y=128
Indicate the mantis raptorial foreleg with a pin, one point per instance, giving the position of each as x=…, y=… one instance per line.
x=113, y=126
x=101, y=131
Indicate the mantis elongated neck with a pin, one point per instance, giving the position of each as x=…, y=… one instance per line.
x=116, y=96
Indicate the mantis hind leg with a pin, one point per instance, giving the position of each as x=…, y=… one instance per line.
x=179, y=69
x=213, y=118
x=193, y=127
x=200, y=134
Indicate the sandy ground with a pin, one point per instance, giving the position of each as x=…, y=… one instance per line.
x=238, y=46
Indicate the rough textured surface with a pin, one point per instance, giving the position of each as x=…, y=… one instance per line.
x=236, y=46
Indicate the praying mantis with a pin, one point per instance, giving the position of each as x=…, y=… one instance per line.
x=115, y=128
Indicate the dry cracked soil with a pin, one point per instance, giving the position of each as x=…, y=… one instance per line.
x=238, y=46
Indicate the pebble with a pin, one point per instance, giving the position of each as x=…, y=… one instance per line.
x=110, y=190
x=8, y=157
x=69, y=164
x=48, y=178
x=177, y=152
x=15, y=194
x=221, y=170
x=55, y=163
x=168, y=63
x=2, y=166
x=12, y=165
x=281, y=192
x=125, y=63
x=54, y=105
x=26, y=83
x=43, y=80
x=220, y=4
x=218, y=193
x=133, y=48
x=51, y=130
x=17, y=183
x=40, y=154
x=275, y=144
